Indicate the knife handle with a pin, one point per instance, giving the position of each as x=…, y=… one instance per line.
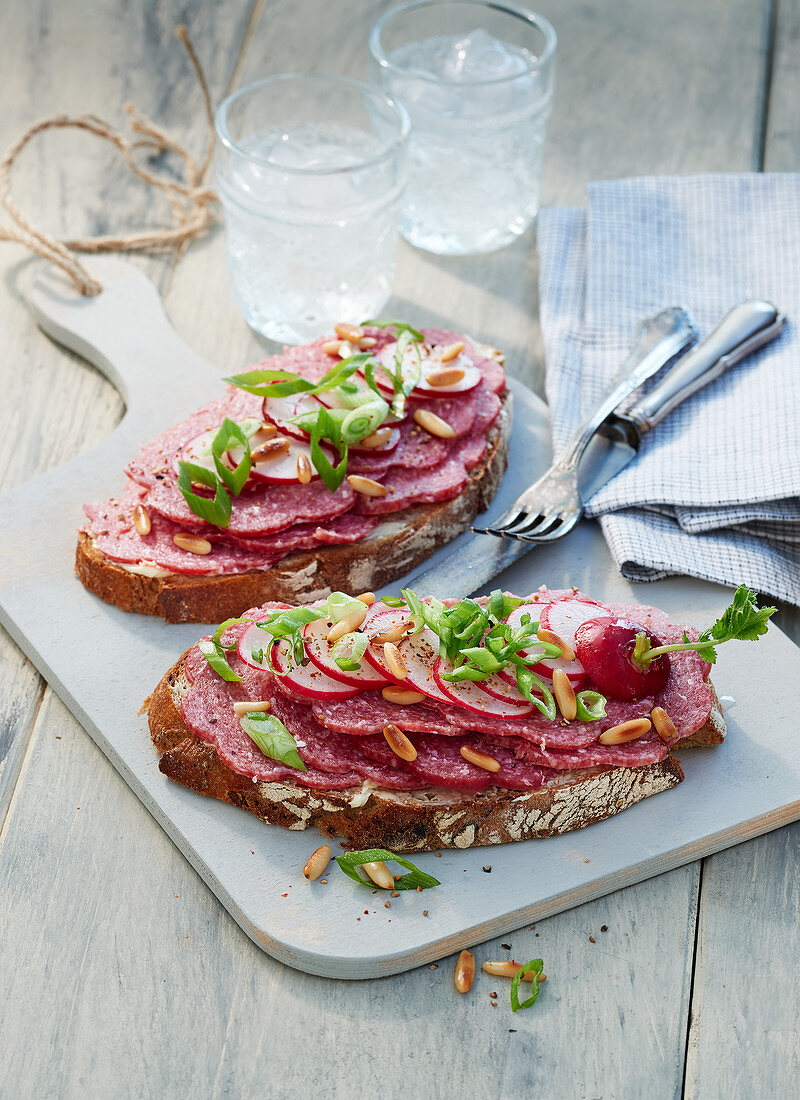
x=747, y=327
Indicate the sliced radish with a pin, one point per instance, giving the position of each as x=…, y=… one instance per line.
x=380, y=624
x=544, y=668
x=283, y=467
x=280, y=410
x=319, y=650
x=198, y=451
x=431, y=360
x=254, y=638
x=563, y=618
x=469, y=695
x=308, y=680
x=420, y=653
x=504, y=688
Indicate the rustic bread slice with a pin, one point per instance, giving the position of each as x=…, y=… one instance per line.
x=398, y=544
x=402, y=821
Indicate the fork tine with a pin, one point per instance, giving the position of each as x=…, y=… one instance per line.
x=538, y=525
x=511, y=518
x=559, y=531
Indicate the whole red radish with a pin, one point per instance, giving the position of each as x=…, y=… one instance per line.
x=605, y=648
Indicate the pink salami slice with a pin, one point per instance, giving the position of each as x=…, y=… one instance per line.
x=634, y=754
x=487, y=406
x=409, y=487
x=369, y=712
x=342, y=530
x=439, y=762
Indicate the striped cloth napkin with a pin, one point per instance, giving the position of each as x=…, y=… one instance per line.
x=715, y=489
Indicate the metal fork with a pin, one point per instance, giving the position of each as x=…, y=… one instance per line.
x=552, y=507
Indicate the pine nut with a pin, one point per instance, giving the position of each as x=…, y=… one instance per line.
x=141, y=520
x=271, y=449
x=394, y=661
x=346, y=350
x=377, y=438
x=367, y=342
x=348, y=332
x=331, y=347
x=506, y=968
x=346, y=626
x=625, y=731
x=401, y=696
x=268, y=430
x=368, y=598
x=445, y=376
x=317, y=862
x=252, y=708
x=452, y=351
x=665, y=727
x=396, y=634
x=380, y=875
x=567, y=652
x=565, y=694
x=399, y=743
x=303, y=470
x=480, y=759
x=192, y=544
x=366, y=486
x=434, y=424
x=465, y=971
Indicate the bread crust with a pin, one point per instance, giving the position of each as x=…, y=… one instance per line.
x=396, y=546
x=401, y=821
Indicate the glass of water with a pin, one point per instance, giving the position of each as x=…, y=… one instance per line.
x=310, y=172
x=477, y=80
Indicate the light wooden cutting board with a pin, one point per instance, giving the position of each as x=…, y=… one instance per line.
x=103, y=663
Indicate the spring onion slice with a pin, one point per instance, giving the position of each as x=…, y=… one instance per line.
x=351, y=861
x=216, y=511
x=273, y=738
x=536, y=966
x=349, y=650
x=215, y=656
x=400, y=326
x=340, y=606
x=591, y=705
x=216, y=637
x=393, y=601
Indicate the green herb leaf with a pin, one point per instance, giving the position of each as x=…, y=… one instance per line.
x=273, y=738
x=230, y=435
x=350, y=861
x=215, y=655
x=216, y=637
x=591, y=705
x=270, y=383
x=216, y=511
x=535, y=966
x=339, y=606
x=400, y=326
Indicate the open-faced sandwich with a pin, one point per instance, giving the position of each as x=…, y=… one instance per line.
x=338, y=465
x=412, y=724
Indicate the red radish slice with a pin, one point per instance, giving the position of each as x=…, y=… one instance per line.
x=538, y=613
x=280, y=410
x=283, y=468
x=420, y=653
x=563, y=618
x=308, y=680
x=431, y=361
x=380, y=624
x=503, y=688
x=198, y=451
x=469, y=695
x=319, y=650
x=254, y=639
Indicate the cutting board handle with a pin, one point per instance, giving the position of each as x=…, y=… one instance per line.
x=123, y=331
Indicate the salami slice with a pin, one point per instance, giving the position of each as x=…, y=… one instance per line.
x=409, y=487
x=369, y=712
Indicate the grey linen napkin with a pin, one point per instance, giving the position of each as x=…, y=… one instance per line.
x=714, y=492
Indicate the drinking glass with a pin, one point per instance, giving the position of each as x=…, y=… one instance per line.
x=310, y=172
x=477, y=80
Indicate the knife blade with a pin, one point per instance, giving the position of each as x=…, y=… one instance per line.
x=742, y=331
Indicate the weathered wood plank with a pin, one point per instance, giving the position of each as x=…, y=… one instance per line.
x=153, y=994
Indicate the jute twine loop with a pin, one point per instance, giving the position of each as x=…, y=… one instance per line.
x=189, y=200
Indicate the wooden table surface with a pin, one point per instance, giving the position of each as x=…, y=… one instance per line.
x=120, y=973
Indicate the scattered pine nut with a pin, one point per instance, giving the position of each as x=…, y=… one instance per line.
x=399, y=743
x=346, y=626
x=331, y=347
x=625, y=731
x=367, y=342
x=346, y=350
x=665, y=727
x=141, y=520
x=192, y=544
x=380, y=875
x=565, y=694
x=567, y=652
x=348, y=332
x=465, y=971
x=433, y=424
x=367, y=597
x=480, y=759
x=366, y=486
x=303, y=470
x=270, y=450
x=452, y=351
x=506, y=968
x=445, y=376
x=394, y=635
x=317, y=862
x=377, y=438
x=401, y=696
x=394, y=661
x=252, y=708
